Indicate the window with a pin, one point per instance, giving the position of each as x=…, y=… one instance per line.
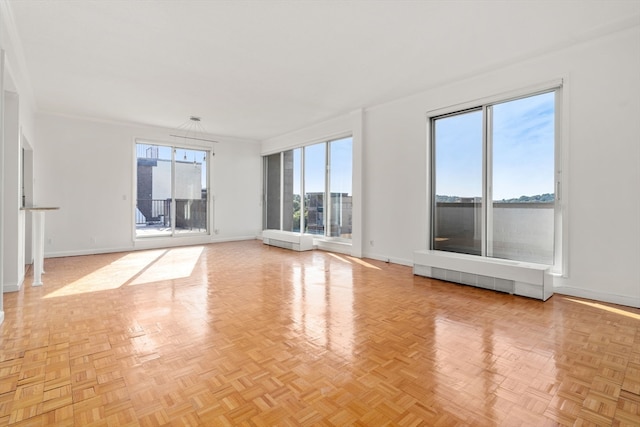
x=272, y=204
x=309, y=189
x=314, y=187
x=171, y=190
x=493, y=179
x=340, y=203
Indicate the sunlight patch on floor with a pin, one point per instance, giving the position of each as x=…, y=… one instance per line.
x=176, y=263
x=136, y=268
x=110, y=276
x=607, y=308
x=338, y=257
x=363, y=263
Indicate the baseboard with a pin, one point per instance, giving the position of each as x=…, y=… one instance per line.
x=1, y=317
x=383, y=258
x=336, y=247
x=146, y=246
x=629, y=301
x=12, y=287
x=93, y=251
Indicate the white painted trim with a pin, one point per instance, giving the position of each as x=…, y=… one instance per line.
x=2, y=62
x=336, y=128
x=384, y=258
x=627, y=300
x=145, y=127
x=511, y=94
x=12, y=287
x=234, y=239
x=530, y=279
x=357, y=141
x=16, y=51
x=333, y=246
x=1, y=317
x=299, y=242
x=159, y=245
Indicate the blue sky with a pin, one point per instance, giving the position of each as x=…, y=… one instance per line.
x=523, y=154
x=341, y=161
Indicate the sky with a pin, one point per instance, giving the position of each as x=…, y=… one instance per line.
x=341, y=161
x=523, y=150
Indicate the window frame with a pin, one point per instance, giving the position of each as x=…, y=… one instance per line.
x=173, y=146
x=327, y=170
x=560, y=232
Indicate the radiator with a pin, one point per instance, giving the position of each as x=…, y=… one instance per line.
x=287, y=240
x=519, y=278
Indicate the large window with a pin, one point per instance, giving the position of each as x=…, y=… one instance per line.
x=315, y=167
x=171, y=190
x=493, y=179
x=308, y=189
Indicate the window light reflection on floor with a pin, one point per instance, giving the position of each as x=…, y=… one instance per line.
x=136, y=268
x=607, y=308
x=353, y=259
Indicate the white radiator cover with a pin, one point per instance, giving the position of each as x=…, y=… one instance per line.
x=287, y=240
x=514, y=277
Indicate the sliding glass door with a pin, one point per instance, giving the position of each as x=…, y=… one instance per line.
x=171, y=190
x=458, y=183
x=502, y=153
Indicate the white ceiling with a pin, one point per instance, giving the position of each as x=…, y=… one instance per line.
x=258, y=69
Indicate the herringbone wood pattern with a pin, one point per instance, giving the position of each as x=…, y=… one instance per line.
x=244, y=334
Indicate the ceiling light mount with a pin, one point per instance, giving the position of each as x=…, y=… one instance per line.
x=192, y=129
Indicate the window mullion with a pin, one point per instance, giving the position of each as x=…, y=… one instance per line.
x=302, y=193
x=172, y=207
x=327, y=189
x=487, y=225
x=558, y=259
x=281, y=191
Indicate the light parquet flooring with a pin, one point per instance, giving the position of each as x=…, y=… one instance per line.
x=241, y=334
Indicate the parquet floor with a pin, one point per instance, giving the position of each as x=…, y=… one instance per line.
x=241, y=334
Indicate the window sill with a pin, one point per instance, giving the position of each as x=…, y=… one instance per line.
x=330, y=245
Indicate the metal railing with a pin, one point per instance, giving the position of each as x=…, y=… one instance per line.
x=153, y=212
x=190, y=213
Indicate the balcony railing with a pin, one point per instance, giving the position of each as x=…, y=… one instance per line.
x=521, y=231
x=191, y=214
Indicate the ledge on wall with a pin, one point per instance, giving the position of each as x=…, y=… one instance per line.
x=519, y=278
x=333, y=246
x=287, y=240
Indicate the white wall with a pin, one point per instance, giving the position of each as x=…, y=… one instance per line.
x=2, y=59
x=601, y=146
x=18, y=124
x=350, y=124
x=87, y=169
x=601, y=134
x=13, y=230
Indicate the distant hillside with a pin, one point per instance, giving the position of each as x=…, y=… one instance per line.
x=540, y=198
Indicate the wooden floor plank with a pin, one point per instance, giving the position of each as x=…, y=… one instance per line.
x=255, y=335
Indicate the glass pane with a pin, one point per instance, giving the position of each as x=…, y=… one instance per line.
x=291, y=179
x=191, y=191
x=523, y=179
x=340, y=154
x=457, y=218
x=314, y=188
x=272, y=192
x=153, y=193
